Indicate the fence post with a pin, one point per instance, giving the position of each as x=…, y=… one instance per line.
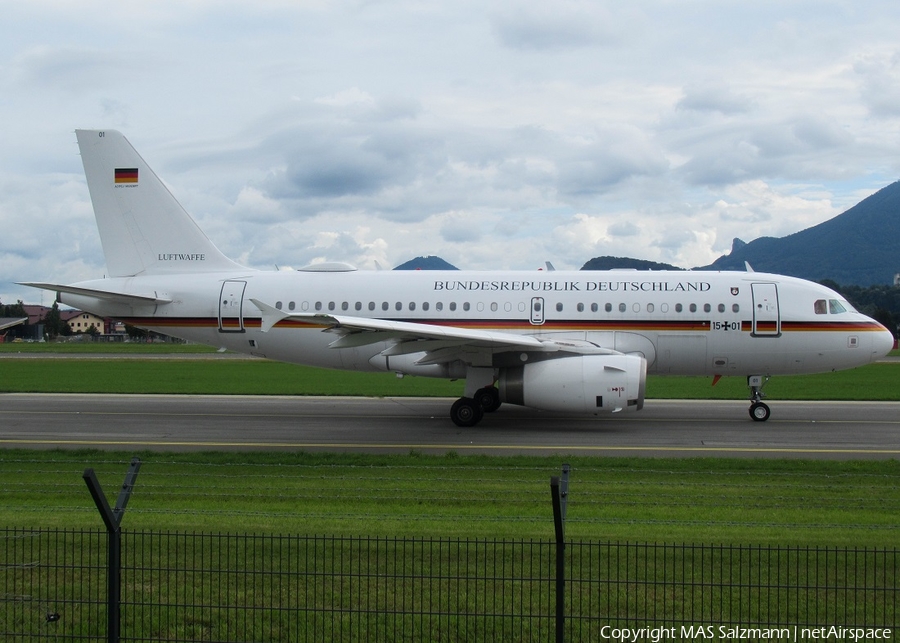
x=559, y=491
x=112, y=518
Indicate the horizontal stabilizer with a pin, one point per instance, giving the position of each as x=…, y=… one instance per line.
x=270, y=315
x=106, y=295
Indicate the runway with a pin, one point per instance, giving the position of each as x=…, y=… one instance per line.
x=665, y=428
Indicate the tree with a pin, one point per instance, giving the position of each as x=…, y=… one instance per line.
x=53, y=323
x=15, y=310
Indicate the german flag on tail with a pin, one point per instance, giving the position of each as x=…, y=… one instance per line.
x=126, y=175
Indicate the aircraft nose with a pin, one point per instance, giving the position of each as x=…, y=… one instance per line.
x=883, y=342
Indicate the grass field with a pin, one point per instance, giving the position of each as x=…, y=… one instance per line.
x=633, y=499
x=694, y=500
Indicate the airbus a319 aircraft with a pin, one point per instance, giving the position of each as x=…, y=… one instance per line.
x=565, y=341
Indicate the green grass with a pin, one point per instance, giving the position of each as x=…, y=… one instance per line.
x=633, y=499
x=874, y=382
x=263, y=377
x=199, y=377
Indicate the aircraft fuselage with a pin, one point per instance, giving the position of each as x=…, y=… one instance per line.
x=683, y=323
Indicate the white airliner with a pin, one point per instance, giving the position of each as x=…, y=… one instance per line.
x=566, y=341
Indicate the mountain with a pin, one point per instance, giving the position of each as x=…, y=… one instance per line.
x=426, y=263
x=859, y=247
x=625, y=263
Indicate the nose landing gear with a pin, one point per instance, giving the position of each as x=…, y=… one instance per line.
x=759, y=410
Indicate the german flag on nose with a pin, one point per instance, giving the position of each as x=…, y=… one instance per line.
x=126, y=175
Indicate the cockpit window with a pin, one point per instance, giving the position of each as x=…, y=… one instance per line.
x=821, y=306
x=836, y=307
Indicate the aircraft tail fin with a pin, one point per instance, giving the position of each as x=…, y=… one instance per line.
x=143, y=228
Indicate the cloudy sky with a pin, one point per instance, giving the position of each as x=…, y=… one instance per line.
x=495, y=135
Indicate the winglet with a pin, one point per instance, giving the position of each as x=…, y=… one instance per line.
x=270, y=315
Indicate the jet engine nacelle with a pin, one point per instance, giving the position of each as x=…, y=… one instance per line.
x=581, y=383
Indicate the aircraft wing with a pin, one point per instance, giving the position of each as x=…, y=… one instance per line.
x=439, y=341
x=119, y=297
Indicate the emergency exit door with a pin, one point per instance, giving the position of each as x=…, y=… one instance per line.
x=537, y=310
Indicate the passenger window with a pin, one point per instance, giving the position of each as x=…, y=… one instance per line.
x=494, y=306
x=359, y=305
x=330, y=305
x=424, y=305
x=693, y=308
x=439, y=305
x=678, y=308
x=466, y=306
x=707, y=308
x=559, y=307
x=292, y=305
x=594, y=308
x=345, y=306
x=371, y=305
x=735, y=308
x=385, y=305
x=650, y=308
x=412, y=305
x=398, y=306
x=622, y=308
x=820, y=307
x=721, y=308
x=608, y=308
x=318, y=305
x=278, y=305
x=452, y=305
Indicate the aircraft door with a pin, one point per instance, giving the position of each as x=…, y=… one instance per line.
x=537, y=310
x=231, y=302
x=766, y=316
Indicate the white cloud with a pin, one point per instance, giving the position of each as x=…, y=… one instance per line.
x=565, y=24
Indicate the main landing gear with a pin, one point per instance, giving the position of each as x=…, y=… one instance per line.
x=468, y=411
x=759, y=410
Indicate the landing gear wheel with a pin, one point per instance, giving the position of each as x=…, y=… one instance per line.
x=489, y=398
x=466, y=412
x=759, y=411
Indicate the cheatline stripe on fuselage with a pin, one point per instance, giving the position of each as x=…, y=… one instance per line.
x=519, y=325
